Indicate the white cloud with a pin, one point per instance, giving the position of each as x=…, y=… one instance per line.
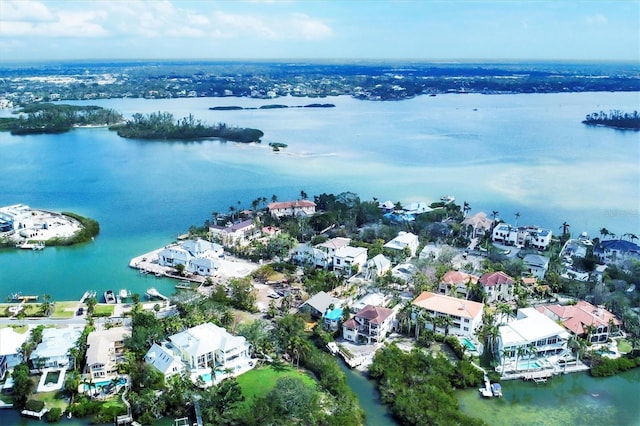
x=21, y=11
x=64, y=24
x=309, y=28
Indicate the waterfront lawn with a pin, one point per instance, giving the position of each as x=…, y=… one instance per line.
x=20, y=329
x=259, y=381
x=624, y=347
x=64, y=309
x=52, y=399
x=30, y=309
x=103, y=310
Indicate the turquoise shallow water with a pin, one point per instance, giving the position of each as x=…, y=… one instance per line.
x=510, y=153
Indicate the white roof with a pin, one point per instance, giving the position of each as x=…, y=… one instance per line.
x=10, y=341
x=163, y=359
x=349, y=251
x=531, y=327
x=379, y=262
x=373, y=299
x=56, y=342
x=99, y=342
x=402, y=240
x=206, y=338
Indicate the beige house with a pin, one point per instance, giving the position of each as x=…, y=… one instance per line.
x=240, y=233
x=456, y=282
x=465, y=315
x=370, y=325
x=105, y=350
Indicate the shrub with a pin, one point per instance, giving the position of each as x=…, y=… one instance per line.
x=53, y=416
x=34, y=405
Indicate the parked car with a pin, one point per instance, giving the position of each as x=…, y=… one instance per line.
x=80, y=311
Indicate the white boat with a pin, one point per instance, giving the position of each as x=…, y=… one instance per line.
x=109, y=297
x=496, y=389
x=333, y=348
x=124, y=293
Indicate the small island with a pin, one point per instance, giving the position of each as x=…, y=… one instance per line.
x=48, y=118
x=162, y=126
x=277, y=146
x=270, y=106
x=614, y=119
x=34, y=229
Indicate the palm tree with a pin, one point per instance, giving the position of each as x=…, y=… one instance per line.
x=303, y=195
x=520, y=351
x=447, y=322
x=632, y=237
x=604, y=232
x=274, y=198
x=588, y=330
x=419, y=319
x=517, y=217
x=466, y=208
x=215, y=217
x=504, y=353
x=494, y=215
x=565, y=229
x=505, y=310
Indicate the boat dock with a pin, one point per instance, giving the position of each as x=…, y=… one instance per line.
x=539, y=376
x=19, y=297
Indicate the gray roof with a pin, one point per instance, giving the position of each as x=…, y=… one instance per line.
x=321, y=301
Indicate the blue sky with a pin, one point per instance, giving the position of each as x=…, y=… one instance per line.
x=340, y=29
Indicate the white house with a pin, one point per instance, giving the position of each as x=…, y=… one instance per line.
x=458, y=282
x=307, y=255
x=198, y=256
x=346, y=257
x=531, y=330
x=377, y=266
x=164, y=358
x=10, y=343
x=498, y=286
x=53, y=351
x=465, y=315
x=373, y=299
x=532, y=236
x=370, y=325
x=105, y=351
x=241, y=233
x=477, y=225
x=536, y=264
x=613, y=251
x=292, y=208
x=333, y=245
x=404, y=240
x=16, y=217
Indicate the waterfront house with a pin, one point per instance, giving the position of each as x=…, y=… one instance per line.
x=197, y=256
x=53, y=351
x=208, y=345
x=539, y=334
x=330, y=247
x=373, y=299
x=165, y=358
x=16, y=217
x=465, y=316
x=616, y=251
x=498, y=286
x=304, y=254
x=537, y=265
x=404, y=240
x=318, y=304
x=332, y=318
x=477, y=225
x=105, y=351
x=347, y=257
x=292, y=208
x=10, y=344
x=594, y=323
x=456, y=282
x=241, y=233
x=531, y=236
x=370, y=325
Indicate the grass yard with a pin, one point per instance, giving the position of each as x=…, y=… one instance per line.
x=52, y=399
x=258, y=382
x=103, y=310
x=624, y=346
x=64, y=309
x=20, y=329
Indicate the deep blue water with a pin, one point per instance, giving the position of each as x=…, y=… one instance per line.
x=510, y=153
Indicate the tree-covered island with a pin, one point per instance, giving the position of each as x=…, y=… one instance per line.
x=615, y=119
x=40, y=118
x=163, y=126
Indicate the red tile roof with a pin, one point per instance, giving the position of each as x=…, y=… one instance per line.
x=375, y=314
x=576, y=317
x=350, y=323
x=291, y=204
x=495, y=278
x=458, y=277
x=448, y=305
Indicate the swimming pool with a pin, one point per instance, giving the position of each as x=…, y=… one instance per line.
x=528, y=365
x=469, y=344
x=104, y=383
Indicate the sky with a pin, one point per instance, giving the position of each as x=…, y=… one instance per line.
x=315, y=29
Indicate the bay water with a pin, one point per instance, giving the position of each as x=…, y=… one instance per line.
x=521, y=153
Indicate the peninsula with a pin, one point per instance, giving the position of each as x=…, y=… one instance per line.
x=615, y=119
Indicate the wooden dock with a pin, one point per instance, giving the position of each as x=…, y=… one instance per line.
x=539, y=376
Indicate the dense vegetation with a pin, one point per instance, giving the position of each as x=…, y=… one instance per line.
x=616, y=119
x=90, y=228
x=163, y=126
x=419, y=387
x=603, y=367
x=57, y=118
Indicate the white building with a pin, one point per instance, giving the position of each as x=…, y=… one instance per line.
x=164, y=358
x=370, y=325
x=404, y=240
x=16, y=217
x=522, y=236
x=105, y=351
x=53, y=351
x=532, y=330
x=241, y=233
x=306, y=255
x=536, y=264
x=377, y=266
x=292, y=208
x=465, y=315
x=458, y=282
x=346, y=257
x=498, y=286
x=373, y=299
x=10, y=343
x=198, y=256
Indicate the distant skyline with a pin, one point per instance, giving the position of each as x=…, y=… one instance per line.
x=313, y=29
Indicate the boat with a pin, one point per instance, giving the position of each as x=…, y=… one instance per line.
x=333, y=348
x=124, y=293
x=109, y=297
x=31, y=246
x=496, y=389
x=447, y=199
x=486, y=391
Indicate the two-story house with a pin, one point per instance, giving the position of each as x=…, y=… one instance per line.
x=347, y=257
x=370, y=325
x=105, y=351
x=498, y=286
x=53, y=351
x=292, y=208
x=460, y=317
x=594, y=323
x=404, y=240
x=458, y=282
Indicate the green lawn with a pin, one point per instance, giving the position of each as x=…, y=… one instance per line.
x=64, y=309
x=103, y=310
x=52, y=399
x=259, y=381
x=624, y=347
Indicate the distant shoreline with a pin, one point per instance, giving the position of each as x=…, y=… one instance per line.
x=269, y=106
